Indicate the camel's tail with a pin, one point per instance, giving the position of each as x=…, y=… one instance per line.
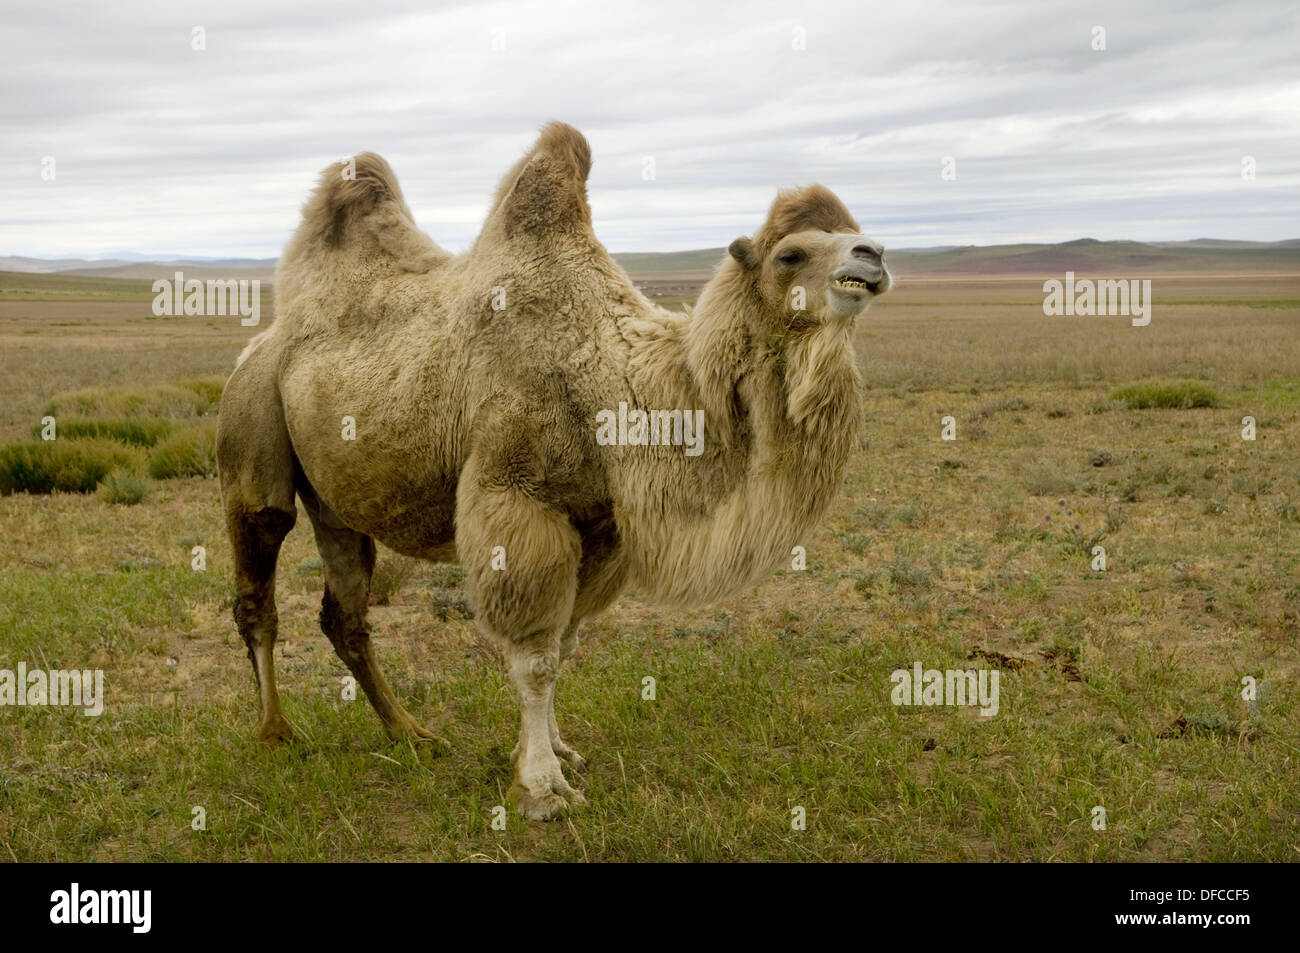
x=547, y=189
x=356, y=206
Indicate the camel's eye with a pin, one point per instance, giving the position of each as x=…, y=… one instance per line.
x=791, y=257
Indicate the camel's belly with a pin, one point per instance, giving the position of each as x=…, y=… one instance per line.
x=389, y=476
x=417, y=518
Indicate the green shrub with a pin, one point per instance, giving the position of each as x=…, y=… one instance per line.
x=72, y=466
x=209, y=387
x=158, y=400
x=137, y=431
x=1179, y=395
x=188, y=452
x=124, y=486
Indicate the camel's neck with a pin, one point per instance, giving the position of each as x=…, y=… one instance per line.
x=781, y=416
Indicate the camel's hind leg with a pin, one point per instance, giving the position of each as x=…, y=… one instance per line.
x=255, y=460
x=349, y=559
x=256, y=538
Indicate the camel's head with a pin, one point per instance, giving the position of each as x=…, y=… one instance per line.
x=811, y=258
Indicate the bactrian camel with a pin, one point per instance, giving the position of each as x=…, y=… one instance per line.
x=475, y=384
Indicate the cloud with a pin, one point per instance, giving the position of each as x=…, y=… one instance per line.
x=164, y=149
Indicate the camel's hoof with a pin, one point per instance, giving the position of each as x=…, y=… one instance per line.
x=275, y=731
x=436, y=745
x=576, y=761
x=555, y=801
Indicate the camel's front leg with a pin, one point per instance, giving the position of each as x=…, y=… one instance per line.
x=521, y=565
x=568, y=643
x=540, y=787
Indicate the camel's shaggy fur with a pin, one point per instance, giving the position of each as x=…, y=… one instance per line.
x=475, y=381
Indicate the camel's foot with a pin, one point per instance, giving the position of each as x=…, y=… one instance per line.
x=275, y=730
x=547, y=798
x=562, y=751
x=408, y=729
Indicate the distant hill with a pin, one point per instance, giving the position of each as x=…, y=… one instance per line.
x=263, y=268
x=687, y=269
x=1087, y=256
x=45, y=266
x=1083, y=256
x=135, y=266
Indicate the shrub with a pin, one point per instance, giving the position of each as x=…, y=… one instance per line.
x=1179, y=395
x=159, y=400
x=1006, y=405
x=124, y=486
x=392, y=572
x=209, y=387
x=137, y=431
x=71, y=466
x=1044, y=477
x=188, y=452
x=446, y=575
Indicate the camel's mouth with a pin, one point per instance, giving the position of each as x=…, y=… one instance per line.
x=858, y=282
x=850, y=283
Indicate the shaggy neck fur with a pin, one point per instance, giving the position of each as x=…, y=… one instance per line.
x=781, y=406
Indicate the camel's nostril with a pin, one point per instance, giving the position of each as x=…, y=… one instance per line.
x=866, y=251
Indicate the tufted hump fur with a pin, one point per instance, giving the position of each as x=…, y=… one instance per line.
x=546, y=189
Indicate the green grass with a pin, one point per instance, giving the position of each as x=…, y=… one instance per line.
x=678, y=778
x=1178, y=395
x=1119, y=689
x=136, y=431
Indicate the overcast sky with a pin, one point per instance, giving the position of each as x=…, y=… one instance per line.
x=163, y=149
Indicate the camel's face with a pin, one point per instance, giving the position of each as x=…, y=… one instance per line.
x=810, y=259
x=831, y=275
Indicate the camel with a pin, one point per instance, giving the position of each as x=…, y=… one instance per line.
x=448, y=406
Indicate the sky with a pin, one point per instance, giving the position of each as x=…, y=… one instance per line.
x=197, y=129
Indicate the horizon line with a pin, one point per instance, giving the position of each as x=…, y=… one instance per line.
x=149, y=257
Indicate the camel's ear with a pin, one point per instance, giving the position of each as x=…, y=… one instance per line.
x=742, y=249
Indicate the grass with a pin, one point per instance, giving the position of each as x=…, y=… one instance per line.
x=1176, y=395
x=158, y=400
x=1119, y=688
x=166, y=419
x=123, y=486
x=136, y=431
x=188, y=452
x=70, y=466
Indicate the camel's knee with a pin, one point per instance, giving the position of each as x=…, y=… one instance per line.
x=534, y=664
x=257, y=534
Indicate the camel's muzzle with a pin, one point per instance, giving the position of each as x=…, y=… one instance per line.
x=861, y=279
